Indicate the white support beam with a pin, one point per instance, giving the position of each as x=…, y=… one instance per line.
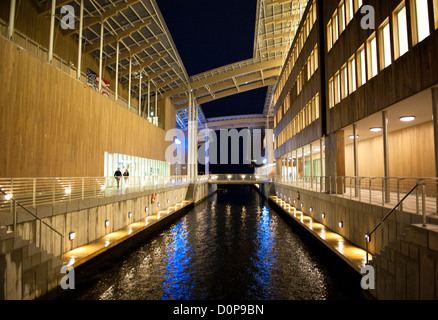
x=11, y=25
x=81, y=24
x=52, y=31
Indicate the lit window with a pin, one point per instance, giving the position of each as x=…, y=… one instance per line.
x=335, y=27
x=349, y=11
x=337, y=88
x=401, y=31
x=341, y=17
x=330, y=35
x=331, y=94
x=385, y=46
x=420, y=14
x=435, y=10
x=361, y=67
x=352, y=74
x=372, y=57
x=344, y=82
x=358, y=4
x=317, y=106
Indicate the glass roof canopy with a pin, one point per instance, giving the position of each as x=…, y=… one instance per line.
x=142, y=33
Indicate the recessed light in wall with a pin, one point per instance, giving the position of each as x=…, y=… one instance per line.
x=107, y=223
x=323, y=215
x=407, y=119
x=352, y=137
x=167, y=200
x=72, y=235
x=146, y=209
x=376, y=129
x=341, y=224
x=311, y=209
x=158, y=204
x=130, y=214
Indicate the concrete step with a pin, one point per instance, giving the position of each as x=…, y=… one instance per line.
x=5, y=234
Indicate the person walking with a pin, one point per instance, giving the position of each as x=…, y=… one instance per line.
x=126, y=175
x=117, y=175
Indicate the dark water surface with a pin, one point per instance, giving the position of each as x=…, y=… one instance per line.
x=232, y=246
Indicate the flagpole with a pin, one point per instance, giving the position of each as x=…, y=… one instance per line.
x=100, y=57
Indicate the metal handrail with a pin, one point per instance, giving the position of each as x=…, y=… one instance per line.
x=34, y=192
x=14, y=223
x=368, y=236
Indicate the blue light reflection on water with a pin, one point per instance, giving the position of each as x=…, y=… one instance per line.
x=177, y=278
x=265, y=259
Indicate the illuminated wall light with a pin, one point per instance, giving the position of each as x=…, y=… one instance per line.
x=167, y=200
x=295, y=201
x=67, y=191
x=158, y=204
x=352, y=137
x=8, y=197
x=72, y=235
x=302, y=205
x=146, y=209
x=102, y=188
x=107, y=223
x=130, y=214
x=176, y=198
x=341, y=224
x=311, y=209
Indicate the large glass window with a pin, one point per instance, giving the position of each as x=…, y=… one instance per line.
x=385, y=45
x=420, y=20
x=401, y=45
x=372, y=56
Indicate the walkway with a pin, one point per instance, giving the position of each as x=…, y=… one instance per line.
x=353, y=255
x=82, y=254
x=412, y=204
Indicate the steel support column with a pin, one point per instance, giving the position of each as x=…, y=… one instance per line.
x=385, y=156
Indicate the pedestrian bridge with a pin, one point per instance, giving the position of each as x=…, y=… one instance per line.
x=250, y=179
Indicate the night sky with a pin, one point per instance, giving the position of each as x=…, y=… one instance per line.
x=213, y=33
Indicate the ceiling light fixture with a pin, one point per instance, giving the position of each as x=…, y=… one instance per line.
x=407, y=119
x=376, y=129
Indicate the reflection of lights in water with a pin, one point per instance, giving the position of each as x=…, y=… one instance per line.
x=178, y=259
x=107, y=243
x=265, y=261
x=322, y=234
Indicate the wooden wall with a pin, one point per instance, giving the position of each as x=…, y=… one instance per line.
x=51, y=125
x=411, y=154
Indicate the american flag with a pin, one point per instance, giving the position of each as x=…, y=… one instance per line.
x=93, y=82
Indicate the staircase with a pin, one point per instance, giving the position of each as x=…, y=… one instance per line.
x=26, y=271
x=406, y=268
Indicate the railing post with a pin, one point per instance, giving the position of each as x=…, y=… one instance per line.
x=14, y=217
x=34, y=193
x=417, y=200
x=424, y=204
x=370, y=188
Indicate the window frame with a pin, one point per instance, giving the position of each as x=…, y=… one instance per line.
x=396, y=25
x=415, y=22
x=383, y=45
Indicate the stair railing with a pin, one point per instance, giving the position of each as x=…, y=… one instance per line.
x=368, y=236
x=14, y=223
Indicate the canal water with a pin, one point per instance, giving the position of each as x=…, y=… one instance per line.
x=233, y=246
